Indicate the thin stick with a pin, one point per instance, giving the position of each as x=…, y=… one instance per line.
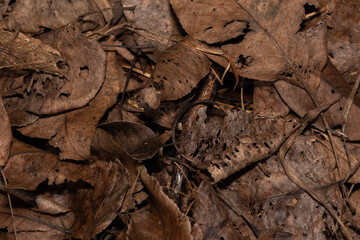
x=294, y=177
x=10, y=204
x=128, y=46
x=127, y=83
x=10, y=41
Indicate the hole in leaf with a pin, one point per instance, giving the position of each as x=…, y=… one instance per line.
x=84, y=72
x=309, y=8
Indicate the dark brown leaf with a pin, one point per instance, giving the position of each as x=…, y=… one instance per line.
x=6, y=135
x=74, y=130
x=230, y=144
x=35, y=16
x=157, y=32
x=32, y=225
x=127, y=139
x=176, y=226
x=149, y=220
x=329, y=88
x=179, y=69
x=212, y=221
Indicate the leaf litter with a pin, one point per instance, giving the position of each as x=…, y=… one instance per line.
x=179, y=119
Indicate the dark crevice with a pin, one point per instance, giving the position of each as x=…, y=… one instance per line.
x=234, y=40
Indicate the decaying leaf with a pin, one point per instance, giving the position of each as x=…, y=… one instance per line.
x=157, y=32
x=26, y=53
x=299, y=101
x=175, y=225
x=90, y=159
x=32, y=225
x=96, y=209
x=72, y=131
x=275, y=201
x=6, y=135
x=343, y=37
x=84, y=69
x=95, y=195
x=179, y=69
x=127, y=139
x=16, y=108
x=37, y=167
x=211, y=21
x=114, y=72
x=226, y=145
x=3, y=6
x=34, y=16
x=267, y=101
x=212, y=221
x=256, y=54
x=147, y=217
x=348, y=163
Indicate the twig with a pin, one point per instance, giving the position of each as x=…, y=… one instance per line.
x=127, y=82
x=10, y=204
x=105, y=9
x=238, y=212
x=297, y=75
x=41, y=222
x=10, y=41
x=294, y=177
x=128, y=46
x=207, y=92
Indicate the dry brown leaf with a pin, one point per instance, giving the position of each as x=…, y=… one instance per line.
x=27, y=170
x=211, y=217
x=275, y=201
x=27, y=53
x=179, y=69
x=149, y=220
x=329, y=88
x=159, y=30
x=34, y=16
x=175, y=225
x=114, y=72
x=166, y=114
x=355, y=203
x=95, y=209
x=296, y=178
x=16, y=108
x=257, y=55
x=348, y=162
x=84, y=69
x=343, y=36
x=46, y=204
x=229, y=144
x=3, y=6
x=267, y=101
x=74, y=130
x=211, y=21
x=127, y=139
x=6, y=135
x=18, y=146
x=106, y=7
x=32, y=225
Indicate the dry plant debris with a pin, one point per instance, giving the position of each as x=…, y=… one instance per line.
x=179, y=120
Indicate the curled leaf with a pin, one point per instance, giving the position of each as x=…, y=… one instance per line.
x=132, y=139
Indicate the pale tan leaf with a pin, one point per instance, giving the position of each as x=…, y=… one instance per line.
x=25, y=52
